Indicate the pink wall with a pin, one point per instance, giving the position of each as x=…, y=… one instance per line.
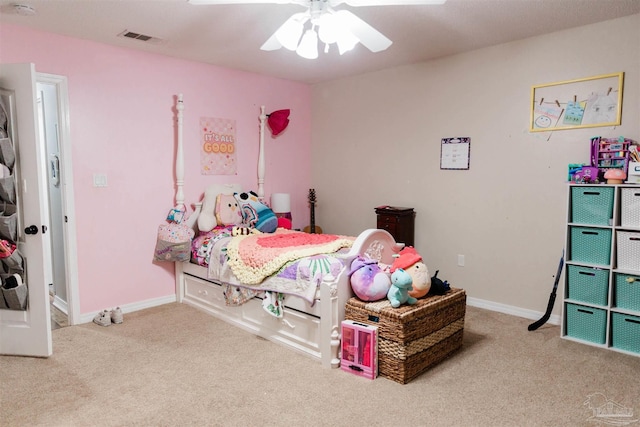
x=122, y=125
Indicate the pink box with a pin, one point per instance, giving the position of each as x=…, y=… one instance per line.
x=359, y=349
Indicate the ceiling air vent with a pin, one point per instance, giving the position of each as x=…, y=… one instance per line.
x=142, y=37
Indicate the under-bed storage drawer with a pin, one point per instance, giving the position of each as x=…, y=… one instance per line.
x=201, y=292
x=294, y=327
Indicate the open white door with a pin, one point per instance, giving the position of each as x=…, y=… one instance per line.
x=28, y=332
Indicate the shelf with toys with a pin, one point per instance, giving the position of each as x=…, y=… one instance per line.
x=612, y=161
x=610, y=153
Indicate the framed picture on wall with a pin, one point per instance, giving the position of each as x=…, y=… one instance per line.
x=580, y=103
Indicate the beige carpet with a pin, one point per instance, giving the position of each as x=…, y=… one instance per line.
x=174, y=366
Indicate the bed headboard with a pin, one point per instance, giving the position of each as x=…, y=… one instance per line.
x=207, y=205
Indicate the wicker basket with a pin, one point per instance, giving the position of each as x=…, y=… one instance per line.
x=412, y=338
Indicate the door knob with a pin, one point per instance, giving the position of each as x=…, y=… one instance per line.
x=32, y=229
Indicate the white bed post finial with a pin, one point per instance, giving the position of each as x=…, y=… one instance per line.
x=261, y=166
x=179, y=157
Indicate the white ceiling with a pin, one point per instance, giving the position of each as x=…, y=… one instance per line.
x=231, y=35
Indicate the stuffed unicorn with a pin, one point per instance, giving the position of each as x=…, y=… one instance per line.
x=368, y=281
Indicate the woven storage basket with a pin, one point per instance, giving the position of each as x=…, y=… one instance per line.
x=592, y=205
x=630, y=206
x=627, y=291
x=587, y=284
x=628, y=250
x=591, y=245
x=412, y=338
x=625, y=332
x=586, y=323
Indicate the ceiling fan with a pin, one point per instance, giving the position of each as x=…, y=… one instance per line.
x=325, y=24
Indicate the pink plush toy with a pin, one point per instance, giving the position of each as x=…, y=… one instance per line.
x=368, y=281
x=227, y=210
x=409, y=260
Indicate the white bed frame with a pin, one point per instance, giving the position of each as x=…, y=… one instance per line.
x=310, y=330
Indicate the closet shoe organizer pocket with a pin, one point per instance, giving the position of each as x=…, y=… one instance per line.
x=9, y=227
x=13, y=289
x=12, y=264
x=7, y=155
x=15, y=293
x=8, y=189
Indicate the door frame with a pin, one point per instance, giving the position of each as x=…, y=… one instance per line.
x=66, y=181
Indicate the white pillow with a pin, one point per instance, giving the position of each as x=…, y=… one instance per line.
x=207, y=218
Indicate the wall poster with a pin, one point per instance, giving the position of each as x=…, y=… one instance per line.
x=580, y=103
x=218, y=146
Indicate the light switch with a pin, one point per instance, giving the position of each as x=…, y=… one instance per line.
x=99, y=180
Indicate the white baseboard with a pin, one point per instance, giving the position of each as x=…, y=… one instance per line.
x=554, y=319
x=130, y=308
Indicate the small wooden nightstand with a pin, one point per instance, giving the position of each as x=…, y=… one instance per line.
x=399, y=222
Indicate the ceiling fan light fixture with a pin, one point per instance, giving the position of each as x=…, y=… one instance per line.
x=308, y=47
x=328, y=28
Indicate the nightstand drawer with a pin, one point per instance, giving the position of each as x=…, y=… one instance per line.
x=390, y=227
x=388, y=219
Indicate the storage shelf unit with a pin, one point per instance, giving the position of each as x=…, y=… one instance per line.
x=601, y=297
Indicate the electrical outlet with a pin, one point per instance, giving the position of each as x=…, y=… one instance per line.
x=99, y=180
x=461, y=260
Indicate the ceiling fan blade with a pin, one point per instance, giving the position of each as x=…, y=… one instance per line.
x=273, y=43
x=371, y=38
x=357, y=3
x=220, y=2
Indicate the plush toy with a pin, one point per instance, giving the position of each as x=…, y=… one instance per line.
x=255, y=213
x=409, y=260
x=400, y=286
x=239, y=230
x=439, y=287
x=368, y=281
x=227, y=210
x=207, y=219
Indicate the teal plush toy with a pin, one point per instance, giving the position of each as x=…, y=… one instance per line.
x=401, y=284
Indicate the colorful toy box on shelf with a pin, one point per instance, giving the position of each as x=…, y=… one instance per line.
x=610, y=153
x=359, y=352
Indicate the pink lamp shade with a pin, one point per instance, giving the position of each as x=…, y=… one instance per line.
x=278, y=121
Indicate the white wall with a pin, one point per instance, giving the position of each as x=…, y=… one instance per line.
x=376, y=140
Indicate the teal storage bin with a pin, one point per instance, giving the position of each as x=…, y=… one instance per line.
x=586, y=323
x=627, y=291
x=625, y=332
x=590, y=245
x=592, y=205
x=589, y=285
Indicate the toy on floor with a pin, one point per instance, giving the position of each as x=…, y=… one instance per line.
x=368, y=281
x=412, y=263
x=438, y=287
x=400, y=286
